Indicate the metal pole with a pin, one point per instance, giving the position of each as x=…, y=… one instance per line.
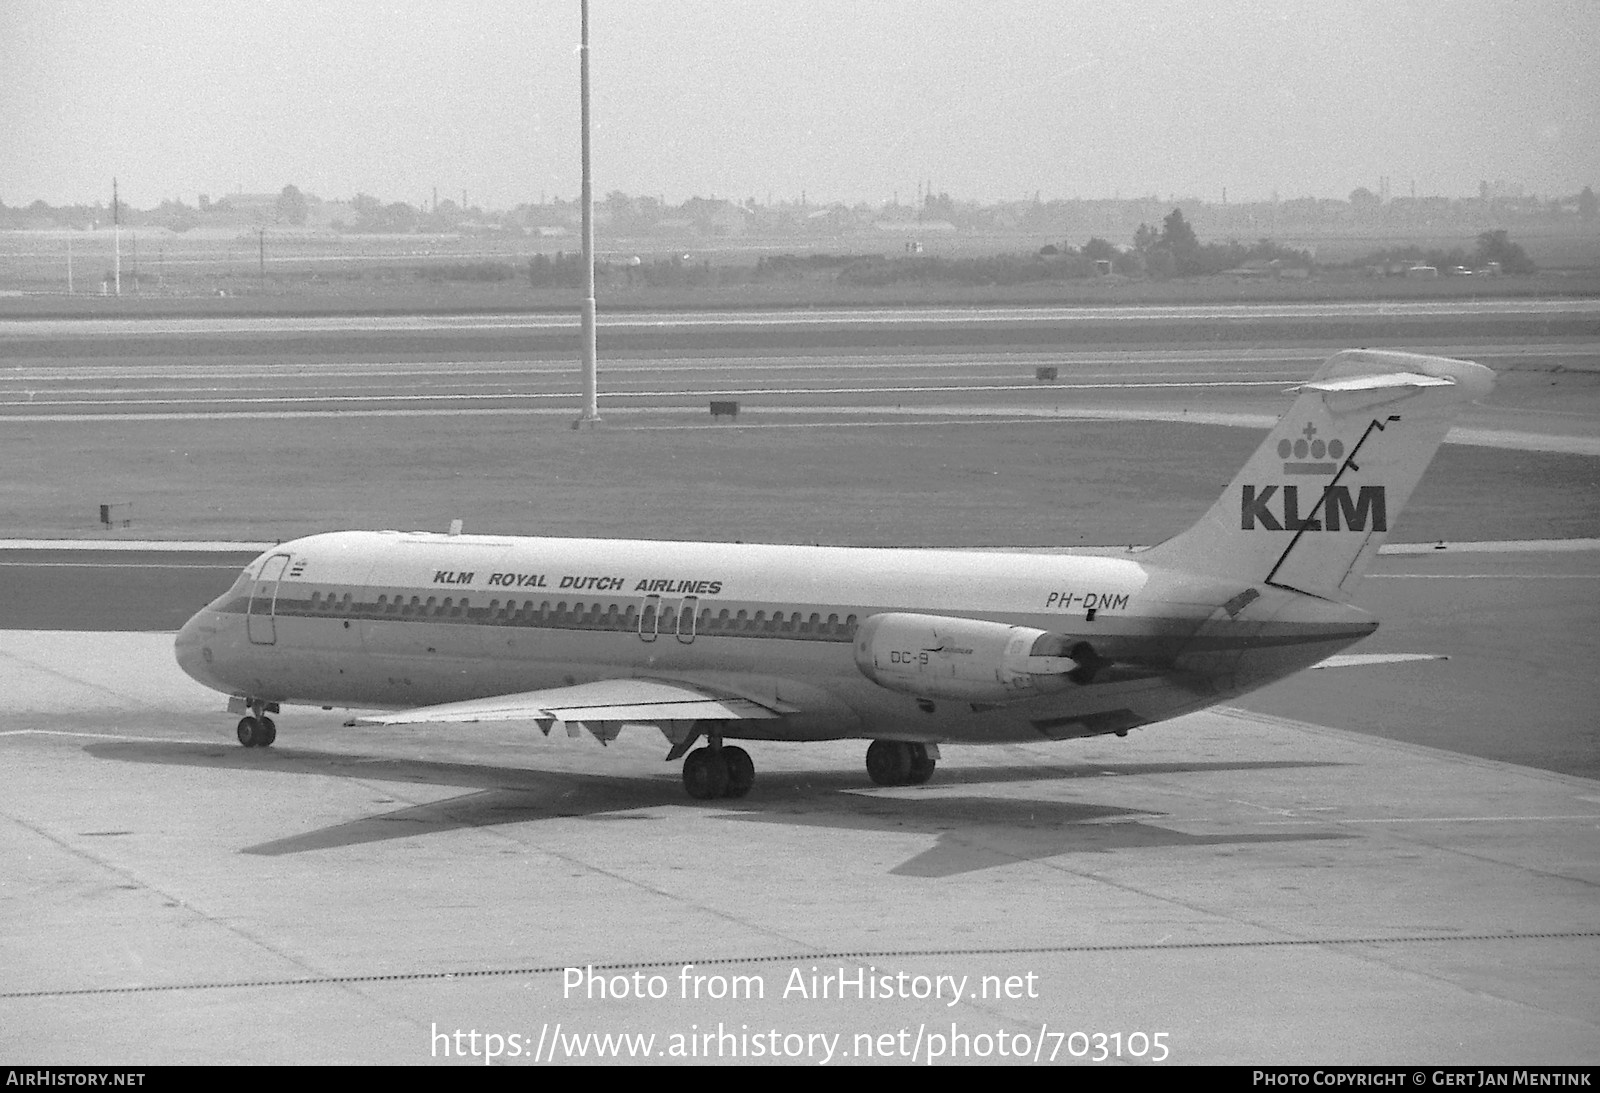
x=591, y=382
x=263, y=234
x=69, y=265
x=116, y=234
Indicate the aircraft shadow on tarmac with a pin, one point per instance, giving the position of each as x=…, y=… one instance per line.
x=971, y=833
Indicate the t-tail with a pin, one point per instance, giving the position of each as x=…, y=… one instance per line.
x=1315, y=502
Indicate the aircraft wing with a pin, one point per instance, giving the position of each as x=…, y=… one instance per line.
x=1361, y=660
x=613, y=701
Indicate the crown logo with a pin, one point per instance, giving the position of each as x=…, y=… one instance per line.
x=1324, y=456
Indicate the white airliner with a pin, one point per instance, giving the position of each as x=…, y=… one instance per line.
x=910, y=649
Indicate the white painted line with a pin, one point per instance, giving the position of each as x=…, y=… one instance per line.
x=129, y=544
x=1580, y=817
x=1492, y=546
x=1483, y=576
x=211, y=400
x=107, y=736
x=1527, y=442
x=117, y=565
x=1535, y=442
x=1488, y=546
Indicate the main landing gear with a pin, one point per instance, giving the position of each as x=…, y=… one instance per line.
x=900, y=763
x=718, y=771
x=256, y=729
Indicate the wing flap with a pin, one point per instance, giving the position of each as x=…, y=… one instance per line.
x=612, y=700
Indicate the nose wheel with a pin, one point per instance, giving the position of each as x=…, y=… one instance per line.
x=257, y=732
x=256, y=729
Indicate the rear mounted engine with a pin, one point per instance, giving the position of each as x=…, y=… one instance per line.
x=934, y=656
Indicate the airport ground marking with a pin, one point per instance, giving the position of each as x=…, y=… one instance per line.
x=1482, y=576
x=102, y=736
x=118, y=565
x=918, y=415
x=1578, y=818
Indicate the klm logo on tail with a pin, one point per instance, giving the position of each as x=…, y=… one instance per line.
x=1310, y=445
x=1278, y=508
x=1326, y=508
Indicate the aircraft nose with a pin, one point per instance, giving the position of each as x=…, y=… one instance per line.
x=190, y=648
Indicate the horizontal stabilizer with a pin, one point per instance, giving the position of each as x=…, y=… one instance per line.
x=638, y=700
x=1347, y=394
x=1369, y=383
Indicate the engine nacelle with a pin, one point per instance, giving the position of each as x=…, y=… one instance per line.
x=935, y=656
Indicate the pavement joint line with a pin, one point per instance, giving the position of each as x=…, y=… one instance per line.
x=797, y=958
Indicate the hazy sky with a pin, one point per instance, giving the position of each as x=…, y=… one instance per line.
x=990, y=99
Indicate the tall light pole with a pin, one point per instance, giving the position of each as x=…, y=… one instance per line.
x=116, y=236
x=591, y=382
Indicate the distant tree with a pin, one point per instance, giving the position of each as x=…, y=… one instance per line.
x=292, y=206
x=1098, y=249
x=1159, y=263
x=1145, y=237
x=1179, y=240
x=1363, y=200
x=1588, y=204
x=1496, y=246
x=399, y=217
x=937, y=208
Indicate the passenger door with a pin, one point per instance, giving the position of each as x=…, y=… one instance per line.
x=259, y=621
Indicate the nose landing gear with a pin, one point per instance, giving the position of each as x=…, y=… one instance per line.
x=256, y=729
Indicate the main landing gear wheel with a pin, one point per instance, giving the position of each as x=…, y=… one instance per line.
x=898, y=763
x=257, y=732
x=741, y=771
x=922, y=765
x=705, y=775
x=709, y=773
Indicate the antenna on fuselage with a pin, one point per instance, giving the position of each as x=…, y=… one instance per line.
x=591, y=382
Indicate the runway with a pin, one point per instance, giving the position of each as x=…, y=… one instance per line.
x=1132, y=362
x=1385, y=865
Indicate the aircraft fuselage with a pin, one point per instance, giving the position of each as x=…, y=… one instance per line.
x=400, y=620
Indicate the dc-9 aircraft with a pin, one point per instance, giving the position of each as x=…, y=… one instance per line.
x=908, y=648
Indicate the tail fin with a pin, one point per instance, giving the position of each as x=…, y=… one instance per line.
x=1316, y=500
